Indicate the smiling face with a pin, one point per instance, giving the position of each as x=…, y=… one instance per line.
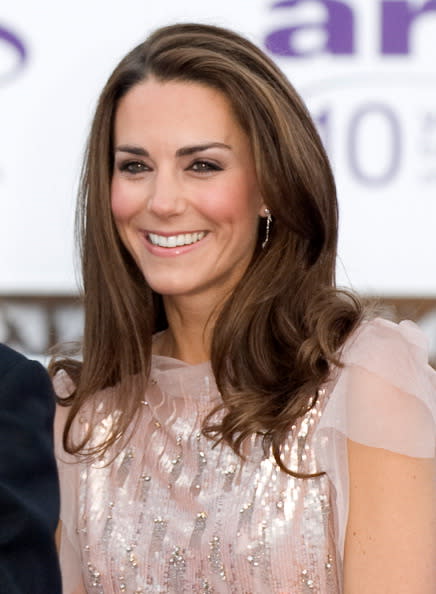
x=184, y=192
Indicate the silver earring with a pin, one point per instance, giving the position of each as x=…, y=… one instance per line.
x=268, y=225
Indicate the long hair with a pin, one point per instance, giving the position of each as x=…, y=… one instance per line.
x=279, y=333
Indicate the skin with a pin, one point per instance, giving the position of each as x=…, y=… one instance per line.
x=183, y=164
x=390, y=545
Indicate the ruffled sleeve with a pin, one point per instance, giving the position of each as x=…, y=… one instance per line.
x=384, y=396
x=68, y=468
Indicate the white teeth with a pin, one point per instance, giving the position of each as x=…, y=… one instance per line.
x=175, y=240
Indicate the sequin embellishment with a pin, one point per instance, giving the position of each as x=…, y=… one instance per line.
x=175, y=515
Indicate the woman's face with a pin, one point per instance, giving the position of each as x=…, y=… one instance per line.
x=184, y=192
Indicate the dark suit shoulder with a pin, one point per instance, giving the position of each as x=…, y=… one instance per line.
x=9, y=358
x=29, y=490
x=19, y=374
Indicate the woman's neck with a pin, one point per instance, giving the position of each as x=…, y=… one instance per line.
x=189, y=333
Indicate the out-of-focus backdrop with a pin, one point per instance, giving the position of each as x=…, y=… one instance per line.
x=365, y=69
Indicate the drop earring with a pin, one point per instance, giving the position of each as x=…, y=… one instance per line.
x=268, y=225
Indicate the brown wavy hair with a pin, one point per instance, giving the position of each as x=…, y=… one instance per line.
x=279, y=333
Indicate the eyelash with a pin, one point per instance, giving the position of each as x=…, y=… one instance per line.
x=205, y=166
x=128, y=165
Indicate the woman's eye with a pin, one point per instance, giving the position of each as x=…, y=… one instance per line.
x=133, y=167
x=204, y=167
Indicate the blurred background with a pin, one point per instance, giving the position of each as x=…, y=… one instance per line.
x=365, y=69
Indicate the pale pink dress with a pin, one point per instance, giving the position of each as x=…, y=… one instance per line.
x=172, y=514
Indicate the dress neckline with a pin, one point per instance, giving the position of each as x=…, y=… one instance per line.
x=176, y=379
x=164, y=362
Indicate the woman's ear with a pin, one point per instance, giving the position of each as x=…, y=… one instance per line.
x=264, y=211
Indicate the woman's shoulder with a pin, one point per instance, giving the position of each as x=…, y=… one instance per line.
x=383, y=396
x=378, y=334
x=395, y=352
x=63, y=384
x=384, y=393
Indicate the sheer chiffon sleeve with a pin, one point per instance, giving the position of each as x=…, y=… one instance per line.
x=68, y=468
x=384, y=396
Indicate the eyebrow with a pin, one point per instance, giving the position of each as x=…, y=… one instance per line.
x=190, y=150
x=181, y=152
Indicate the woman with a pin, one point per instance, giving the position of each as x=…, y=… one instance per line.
x=301, y=458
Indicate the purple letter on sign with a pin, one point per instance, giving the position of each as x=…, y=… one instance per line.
x=12, y=40
x=397, y=17
x=338, y=27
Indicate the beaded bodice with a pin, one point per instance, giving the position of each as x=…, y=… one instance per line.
x=172, y=514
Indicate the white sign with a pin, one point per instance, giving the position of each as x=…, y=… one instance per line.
x=365, y=69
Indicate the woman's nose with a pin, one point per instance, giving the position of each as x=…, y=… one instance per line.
x=165, y=198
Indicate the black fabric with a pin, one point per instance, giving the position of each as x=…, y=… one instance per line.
x=29, y=489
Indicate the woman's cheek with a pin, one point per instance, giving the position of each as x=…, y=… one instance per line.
x=122, y=201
